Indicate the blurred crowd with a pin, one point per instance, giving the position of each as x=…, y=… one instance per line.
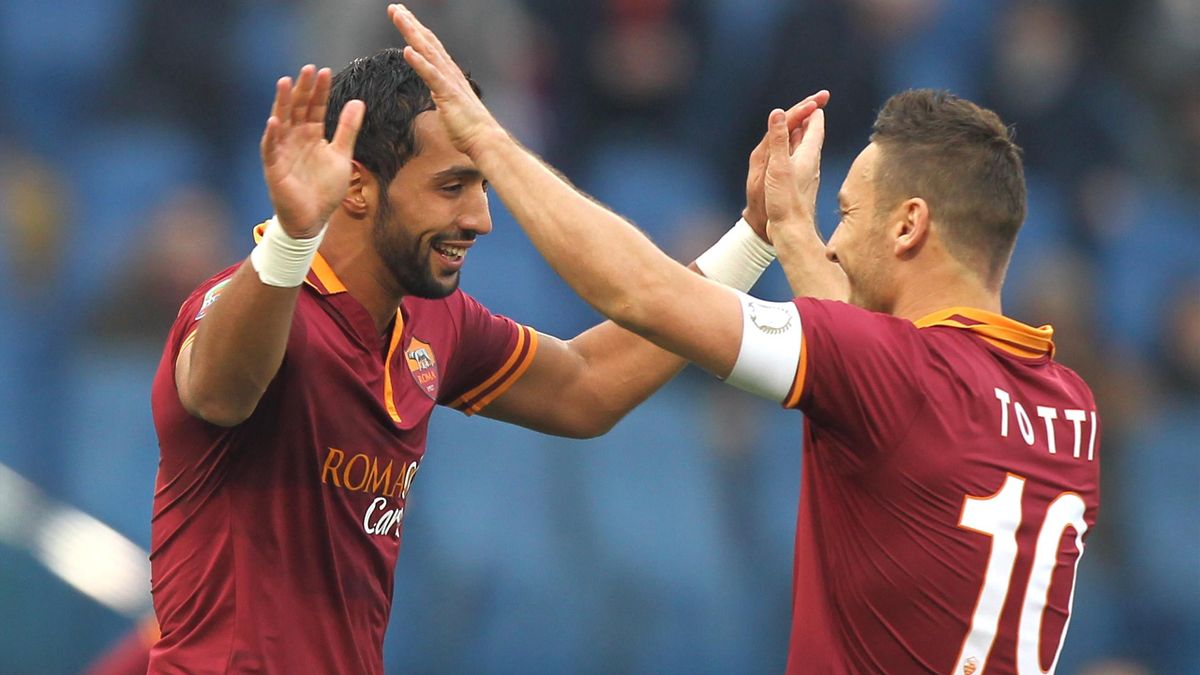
x=129, y=172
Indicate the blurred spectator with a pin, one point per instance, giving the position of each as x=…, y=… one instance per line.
x=182, y=243
x=816, y=45
x=35, y=317
x=619, y=69
x=498, y=41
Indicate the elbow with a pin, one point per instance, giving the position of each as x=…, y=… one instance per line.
x=219, y=413
x=581, y=417
x=217, y=409
x=593, y=427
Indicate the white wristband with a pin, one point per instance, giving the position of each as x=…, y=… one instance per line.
x=738, y=259
x=281, y=260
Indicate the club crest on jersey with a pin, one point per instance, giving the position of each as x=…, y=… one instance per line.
x=422, y=365
x=210, y=297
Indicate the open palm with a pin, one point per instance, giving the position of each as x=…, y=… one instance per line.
x=306, y=175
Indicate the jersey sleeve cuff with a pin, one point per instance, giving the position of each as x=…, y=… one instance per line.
x=796, y=394
x=506, y=376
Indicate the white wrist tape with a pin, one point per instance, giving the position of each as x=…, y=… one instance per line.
x=738, y=259
x=281, y=260
x=770, y=352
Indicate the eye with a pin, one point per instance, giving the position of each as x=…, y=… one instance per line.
x=485, y=186
x=453, y=188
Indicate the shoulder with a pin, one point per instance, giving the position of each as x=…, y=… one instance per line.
x=202, y=297
x=845, y=321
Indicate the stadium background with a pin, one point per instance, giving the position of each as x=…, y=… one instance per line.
x=129, y=172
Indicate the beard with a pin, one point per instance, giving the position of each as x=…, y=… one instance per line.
x=408, y=259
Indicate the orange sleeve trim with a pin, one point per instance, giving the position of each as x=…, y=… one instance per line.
x=797, y=392
x=512, y=358
x=518, y=362
x=511, y=379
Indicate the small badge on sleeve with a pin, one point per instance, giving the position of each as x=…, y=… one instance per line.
x=210, y=297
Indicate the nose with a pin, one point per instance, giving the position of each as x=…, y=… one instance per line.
x=830, y=254
x=477, y=218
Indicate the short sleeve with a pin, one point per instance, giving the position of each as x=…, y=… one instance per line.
x=193, y=309
x=492, y=353
x=858, y=374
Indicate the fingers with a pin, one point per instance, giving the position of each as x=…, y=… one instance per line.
x=415, y=33
x=319, y=102
x=281, y=108
x=348, y=126
x=814, y=135
x=777, y=134
x=433, y=77
x=800, y=112
x=269, y=145
x=302, y=94
x=795, y=117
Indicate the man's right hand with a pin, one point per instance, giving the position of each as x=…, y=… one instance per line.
x=793, y=170
x=306, y=175
x=755, y=212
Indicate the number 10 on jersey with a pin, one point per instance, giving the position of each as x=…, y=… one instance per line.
x=999, y=517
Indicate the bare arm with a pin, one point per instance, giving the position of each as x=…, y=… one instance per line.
x=582, y=387
x=240, y=343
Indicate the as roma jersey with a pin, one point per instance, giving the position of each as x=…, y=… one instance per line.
x=274, y=542
x=950, y=481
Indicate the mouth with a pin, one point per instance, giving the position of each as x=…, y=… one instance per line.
x=451, y=254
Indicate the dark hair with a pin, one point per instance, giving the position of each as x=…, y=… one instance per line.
x=961, y=159
x=394, y=95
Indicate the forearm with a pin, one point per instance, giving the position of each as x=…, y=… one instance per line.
x=605, y=259
x=238, y=349
x=801, y=253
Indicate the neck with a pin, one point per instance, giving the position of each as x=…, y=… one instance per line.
x=932, y=292
x=354, y=260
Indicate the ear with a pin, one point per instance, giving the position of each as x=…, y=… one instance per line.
x=362, y=191
x=911, y=227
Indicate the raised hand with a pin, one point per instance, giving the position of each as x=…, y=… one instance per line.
x=755, y=212
x=793, y=171
x=306, y=175
x=463, y=115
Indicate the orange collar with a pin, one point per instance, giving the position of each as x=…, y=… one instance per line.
x=320, y=276
x=1012, y=336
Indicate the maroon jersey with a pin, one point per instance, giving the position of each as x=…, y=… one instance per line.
x=950, y=478
x=274, y=542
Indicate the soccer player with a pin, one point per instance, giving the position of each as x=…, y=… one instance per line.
x=950, y=464
x=295, y=389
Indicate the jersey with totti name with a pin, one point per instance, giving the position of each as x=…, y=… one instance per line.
x=950, y=480
x=274, y=542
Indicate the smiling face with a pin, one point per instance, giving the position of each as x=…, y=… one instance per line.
x=431, y=214
x=859, y=244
